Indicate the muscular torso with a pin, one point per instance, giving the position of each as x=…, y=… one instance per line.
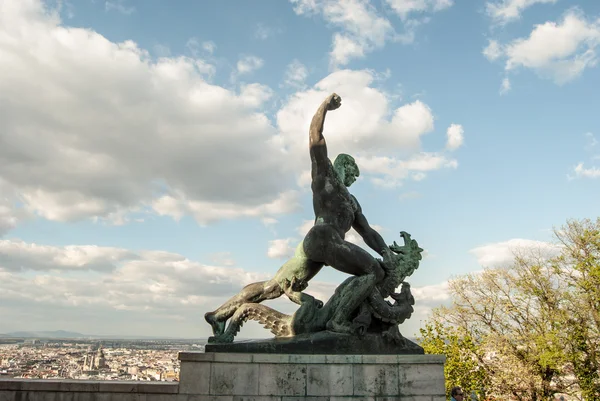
x=332, y=203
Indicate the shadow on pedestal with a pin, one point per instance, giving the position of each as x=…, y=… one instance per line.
x=324, y=342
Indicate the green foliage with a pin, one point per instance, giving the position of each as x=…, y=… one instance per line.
x=530, y=330
x=462, y=366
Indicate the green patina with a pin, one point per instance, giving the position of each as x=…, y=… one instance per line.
x=359, y=304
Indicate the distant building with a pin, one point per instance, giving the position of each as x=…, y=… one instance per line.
x=100, y=359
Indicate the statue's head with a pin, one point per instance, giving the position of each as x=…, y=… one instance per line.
x=346, y=168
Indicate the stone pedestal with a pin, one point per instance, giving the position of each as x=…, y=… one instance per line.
x=324, y=342
x=280, y=377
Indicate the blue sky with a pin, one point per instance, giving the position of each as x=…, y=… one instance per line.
x=153, y=155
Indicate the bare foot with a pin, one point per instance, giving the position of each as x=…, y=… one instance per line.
x=217, y=327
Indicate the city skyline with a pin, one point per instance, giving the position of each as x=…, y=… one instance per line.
x=154, y=160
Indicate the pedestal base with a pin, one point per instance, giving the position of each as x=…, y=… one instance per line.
x=324, y=342
x=282, y=377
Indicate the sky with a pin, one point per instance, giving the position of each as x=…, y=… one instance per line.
x=154, y=158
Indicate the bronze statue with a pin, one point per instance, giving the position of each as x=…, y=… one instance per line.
x=336, y=211
x=373, y=315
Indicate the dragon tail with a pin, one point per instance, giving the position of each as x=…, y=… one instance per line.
x=278, y=323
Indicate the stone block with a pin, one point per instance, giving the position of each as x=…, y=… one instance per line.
x=422, y=359
x=40, y=385
x=234, y=379
x=255, y=398
x=7, y=395
x=196, y=356
x=282, y=379
x=328, y=380
x=375, y=380
x=343, y=358
x=118, y=387
x=421, y=380
x=380, y=359
x=233, y=357
x=52, y=396
x=270, y=358
x=307, y=398
x=157, y=388
x=79, y=386
x=308, y=358
x=207, y=398
x=417, y=398
x=194, y=377
x=161, y=397
x=10, y=384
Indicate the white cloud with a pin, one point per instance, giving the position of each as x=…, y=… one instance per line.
x=504, y=11
x=223, y=259
x=136, y=291
x=206, y=212
x=505, y=86
x=120, y=6
x=558, y=51
x=104, y=129
x=583, y=172
x=209, y=46
x=394, y=171
x=10, y=214
x=295, y=75
x=162, y=50
x=255, y=95
x=591, y=141
x=281, y=248
x=406, y=7
x=195, y=47
x=432, y=295
x=344, y=49
x=247, y=64
x=502, y=254
x=362, y=27
x=455, y=134
x=18, y=255
x=384, y=142
x=493, y=50
x=144, y=285
x=305, y=227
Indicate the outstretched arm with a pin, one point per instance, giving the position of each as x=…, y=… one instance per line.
x=369, y=235
x=317, y=145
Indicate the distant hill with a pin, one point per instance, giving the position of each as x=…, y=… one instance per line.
x=62, y=334
x=44, y=334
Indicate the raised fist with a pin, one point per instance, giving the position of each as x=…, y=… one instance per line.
x=333, y=101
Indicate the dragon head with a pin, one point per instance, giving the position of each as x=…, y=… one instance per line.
x=403, y=263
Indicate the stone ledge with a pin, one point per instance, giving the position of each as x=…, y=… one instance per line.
x=53, y=396
x=255, y=376
x=190, y=356
x=88, y=386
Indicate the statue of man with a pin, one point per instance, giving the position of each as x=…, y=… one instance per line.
x=336, y=211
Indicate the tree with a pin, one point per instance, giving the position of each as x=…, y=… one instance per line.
x=462, y=367
x=579, y=266
x=531, y=327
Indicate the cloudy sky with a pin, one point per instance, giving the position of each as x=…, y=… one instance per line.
x=153, y=156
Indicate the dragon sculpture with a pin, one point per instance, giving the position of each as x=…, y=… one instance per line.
x=374, y=315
